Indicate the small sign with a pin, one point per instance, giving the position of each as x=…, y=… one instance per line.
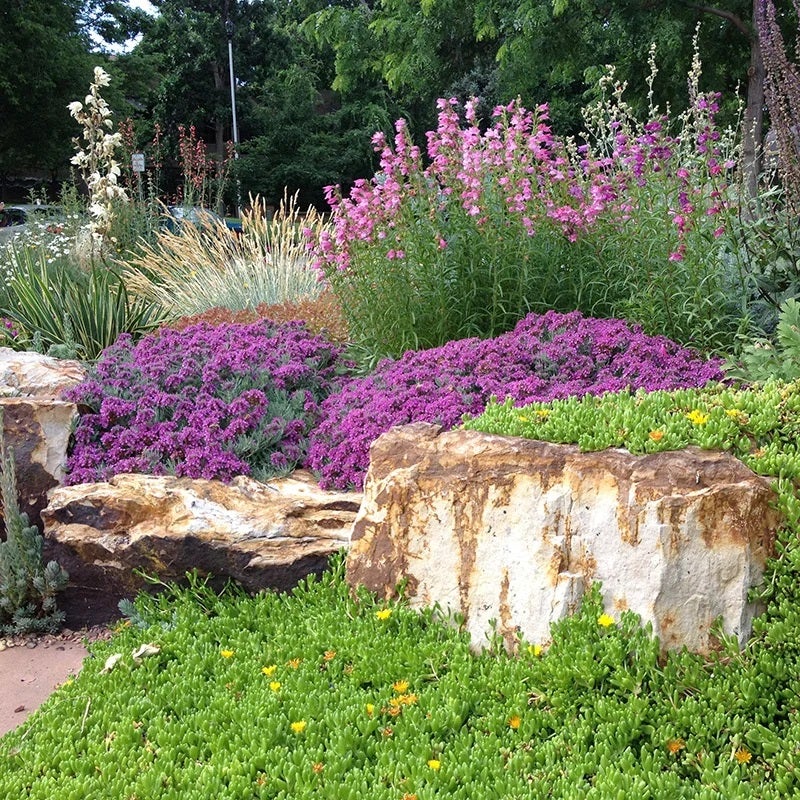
x=137, y=162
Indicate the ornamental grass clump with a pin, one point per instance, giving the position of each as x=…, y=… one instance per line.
x=205, y=402
x=545, y=357
x=204, y=266
x=492, y=222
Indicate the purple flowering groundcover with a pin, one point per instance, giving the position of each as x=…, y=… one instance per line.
x=546, y=357
x=205, y=402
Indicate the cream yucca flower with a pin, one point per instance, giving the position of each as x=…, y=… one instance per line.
x=96, y=159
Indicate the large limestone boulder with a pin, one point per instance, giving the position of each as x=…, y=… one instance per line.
x=512, y=530
x=37, y=423
x=259, y=534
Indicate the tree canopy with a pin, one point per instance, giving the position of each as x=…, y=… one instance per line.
x=315, y=78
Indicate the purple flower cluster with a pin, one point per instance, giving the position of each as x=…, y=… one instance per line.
x=546, y=357
x=205, y=402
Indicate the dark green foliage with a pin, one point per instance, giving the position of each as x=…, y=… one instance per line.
x=775, y=358
x=27, y=587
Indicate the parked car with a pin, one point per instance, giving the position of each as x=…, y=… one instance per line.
x=14, y=219
x=196, y=215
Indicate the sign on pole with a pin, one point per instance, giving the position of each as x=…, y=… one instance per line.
x=137, y=162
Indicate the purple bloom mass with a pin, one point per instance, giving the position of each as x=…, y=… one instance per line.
x=261, y=399
x=206, y=402
x=546, y=357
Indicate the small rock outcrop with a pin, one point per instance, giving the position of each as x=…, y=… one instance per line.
x=512, y=530
x=259, y=534
x=37, y=423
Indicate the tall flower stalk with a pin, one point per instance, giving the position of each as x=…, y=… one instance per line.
x=494, y=221
x=95, y=156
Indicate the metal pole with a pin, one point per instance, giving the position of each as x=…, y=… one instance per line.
x=229, y=32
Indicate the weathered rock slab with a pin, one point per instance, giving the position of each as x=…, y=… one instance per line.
x=263, y=535
x=24, y=374
x=512, y=530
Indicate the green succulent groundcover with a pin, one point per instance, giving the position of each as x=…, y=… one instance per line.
x=326, y=693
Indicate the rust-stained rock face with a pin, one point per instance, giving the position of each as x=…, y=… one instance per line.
x=261, y=535
x=37, y=424
x=512, y=530
x=38, y=432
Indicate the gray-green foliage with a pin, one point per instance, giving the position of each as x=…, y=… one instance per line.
x=777, y=358
x=27, y=587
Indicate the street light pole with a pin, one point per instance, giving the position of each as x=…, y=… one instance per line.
x=229, y=33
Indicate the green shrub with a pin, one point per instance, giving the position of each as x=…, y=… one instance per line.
x=27, y=587
x=774, y=358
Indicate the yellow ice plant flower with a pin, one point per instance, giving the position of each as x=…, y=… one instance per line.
x=318, y=767
x=514, y=722
x=294, y=663
x=743, y=755
x=226, y=653
x=401, y=687
x=370, y=709
x=697, y=417
x=739, y=417
x=535, y=650
x=329, y=655
x=605, y=621
x=299, y=726
x=270, y=670
x=656, y=435
x=383, y=614
x=274, y=685
x=434, y=764
x=675, y=745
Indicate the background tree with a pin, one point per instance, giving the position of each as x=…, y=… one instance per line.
x=47, y=51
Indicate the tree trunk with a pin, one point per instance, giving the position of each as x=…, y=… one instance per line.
x=753, y=136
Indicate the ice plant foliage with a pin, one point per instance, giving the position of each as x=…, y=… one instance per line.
x=491, y=222
x=95, y=156
x=544, y=358
x=205, y=402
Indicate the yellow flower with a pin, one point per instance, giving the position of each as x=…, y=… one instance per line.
x=542, y=413
x=409, y=796
x=434, y=763
x=370, y=709
x=274, y=685
x=294, y=663
x=737, y=416
x=656, y=436
x=318, y=767
x=605, y=620
x=675, y=746
x=226, y=653
x=270, y=670
x=401, y=687
x=535, y=650
x=384, y=614
x=697, y=417
x=514, y=722
x=743, y=755
x=299, y=726
x=329, y=655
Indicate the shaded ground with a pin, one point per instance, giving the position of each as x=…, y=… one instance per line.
x=31, y=667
